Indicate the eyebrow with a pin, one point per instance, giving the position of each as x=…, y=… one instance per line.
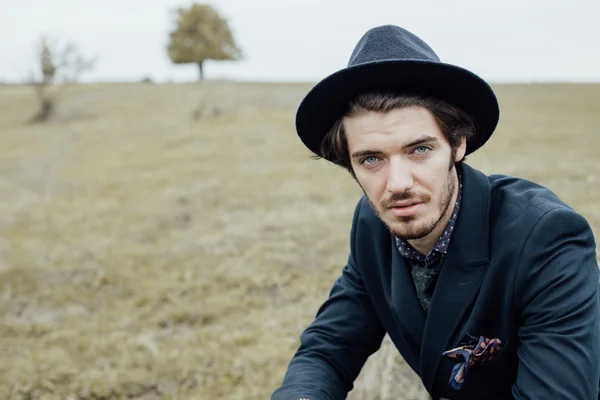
x=419, y=141
x=422, y=140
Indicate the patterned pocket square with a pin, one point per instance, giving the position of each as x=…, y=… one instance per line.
x=471, y=351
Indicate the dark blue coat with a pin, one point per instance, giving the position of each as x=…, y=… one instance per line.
x=521, y=267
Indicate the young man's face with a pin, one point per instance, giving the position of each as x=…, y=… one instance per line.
x=404, y=165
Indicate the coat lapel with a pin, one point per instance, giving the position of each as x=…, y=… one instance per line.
x=399, y=291
x=461, y=274
x=405, y=302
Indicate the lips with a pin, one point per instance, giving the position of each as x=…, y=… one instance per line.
x=406, y=208
x=405, y=204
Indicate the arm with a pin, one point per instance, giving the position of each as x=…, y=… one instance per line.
x=334, y=348
x=557, y=296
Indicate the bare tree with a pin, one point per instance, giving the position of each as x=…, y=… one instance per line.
x=58, y=68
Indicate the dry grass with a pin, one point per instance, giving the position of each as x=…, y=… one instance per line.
x=147, y=255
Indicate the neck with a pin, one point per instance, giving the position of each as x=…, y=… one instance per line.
x=425, y=244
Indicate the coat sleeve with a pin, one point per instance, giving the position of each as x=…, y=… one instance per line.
x=335, y=346
x=557, y=299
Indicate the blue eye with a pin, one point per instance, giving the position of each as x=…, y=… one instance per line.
x=421, y=150
x=372, y=158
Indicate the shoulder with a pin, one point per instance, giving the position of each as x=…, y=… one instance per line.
x=532, y=208
x=523, y=194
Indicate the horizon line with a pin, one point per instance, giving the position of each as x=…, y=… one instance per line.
x=278, y=82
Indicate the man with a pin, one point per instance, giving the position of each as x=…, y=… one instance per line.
x=487, y=285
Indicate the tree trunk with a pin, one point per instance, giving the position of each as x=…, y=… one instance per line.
x=45, y=112
x=201, y=70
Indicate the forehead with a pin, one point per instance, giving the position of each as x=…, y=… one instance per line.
x=399, y=125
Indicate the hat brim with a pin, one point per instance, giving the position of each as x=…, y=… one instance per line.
x=327, y=101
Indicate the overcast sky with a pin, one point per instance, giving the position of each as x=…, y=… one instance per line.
x=305, y=40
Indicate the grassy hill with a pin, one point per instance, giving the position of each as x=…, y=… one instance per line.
x=172, y=241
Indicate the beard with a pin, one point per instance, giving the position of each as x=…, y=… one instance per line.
x=414, y=227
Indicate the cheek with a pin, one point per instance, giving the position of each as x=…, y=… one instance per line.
x=433, y=183
x=372, y=185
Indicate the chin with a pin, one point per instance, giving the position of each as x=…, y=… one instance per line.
x=409, y=230
x=407, y=234
x=411, y=235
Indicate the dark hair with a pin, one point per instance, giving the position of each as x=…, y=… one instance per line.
x=454, y=123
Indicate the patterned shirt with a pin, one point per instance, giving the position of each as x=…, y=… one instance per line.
x=425, y=269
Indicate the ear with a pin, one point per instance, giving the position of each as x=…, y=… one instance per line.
x=461, y=150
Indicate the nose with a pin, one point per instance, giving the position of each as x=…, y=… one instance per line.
x=400, y=177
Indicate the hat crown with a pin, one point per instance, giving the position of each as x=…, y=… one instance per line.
x=390, y=42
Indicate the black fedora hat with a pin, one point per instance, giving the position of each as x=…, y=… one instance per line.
x=391, y=58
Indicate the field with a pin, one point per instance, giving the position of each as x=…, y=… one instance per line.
x=171, y=241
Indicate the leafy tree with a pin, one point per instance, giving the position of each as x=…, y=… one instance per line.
x=201, y=34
